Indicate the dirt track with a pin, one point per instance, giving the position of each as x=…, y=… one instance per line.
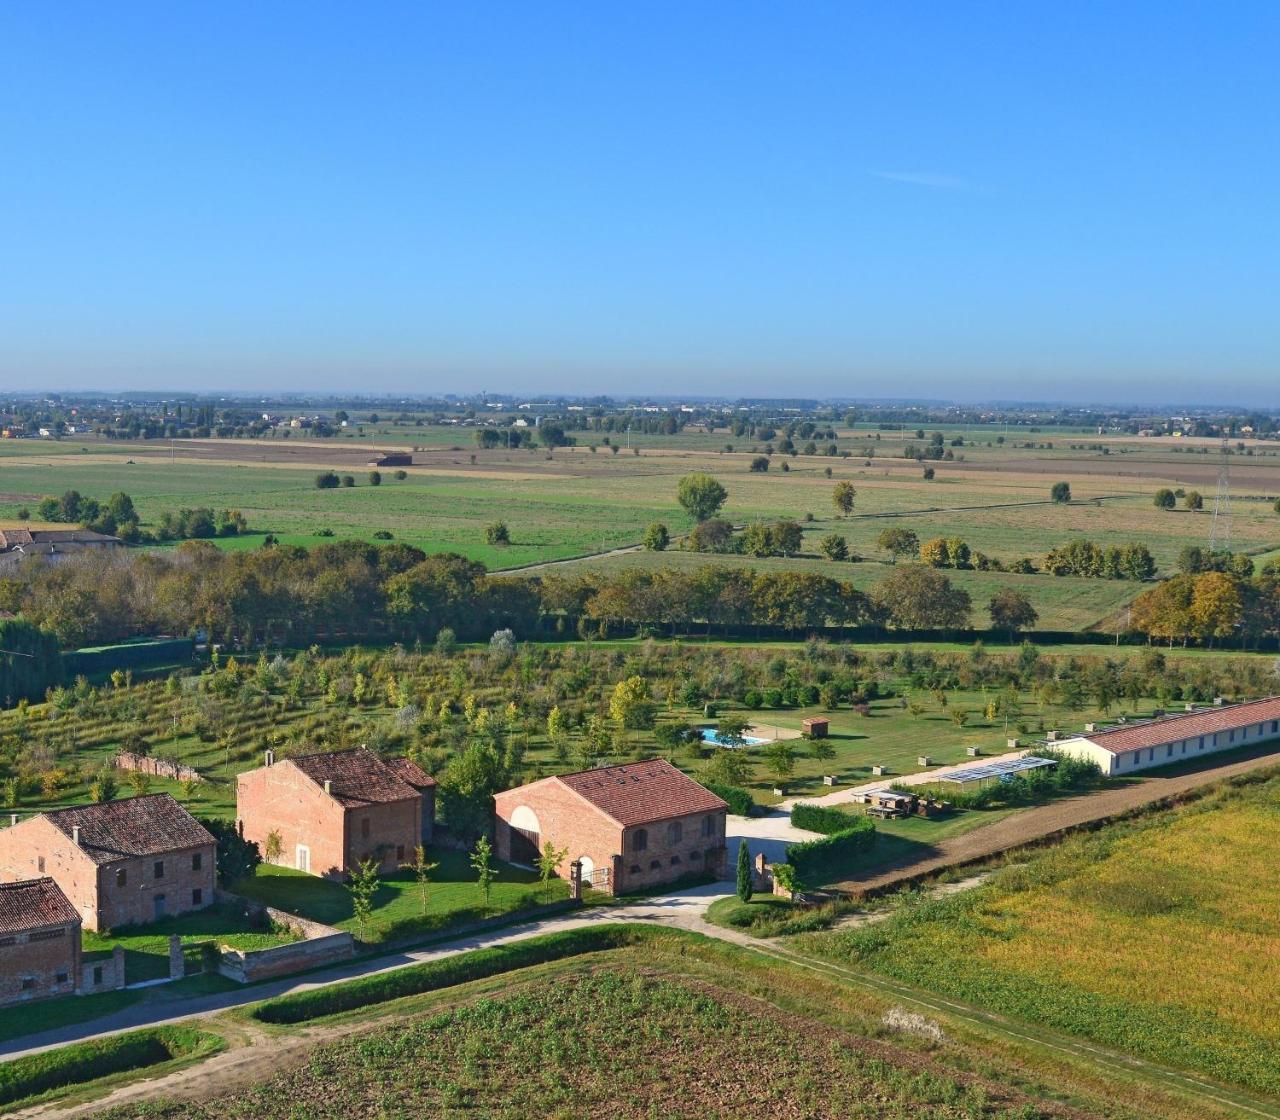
x=1060, y=816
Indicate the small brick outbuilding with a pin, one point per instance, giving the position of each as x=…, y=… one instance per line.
x=39, y=942
x=632, y=826
x=816, y=727
x=330, y=812
x=121, y=863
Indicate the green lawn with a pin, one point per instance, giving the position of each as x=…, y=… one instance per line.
x=453, y=896
x=894, y=738
x=916, y=837
x=146, y=948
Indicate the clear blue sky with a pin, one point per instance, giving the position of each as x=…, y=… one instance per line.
x=1038, y=200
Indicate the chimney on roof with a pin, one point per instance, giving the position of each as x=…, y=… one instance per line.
x=328, y=786
x=269, y=758
x=75, y=835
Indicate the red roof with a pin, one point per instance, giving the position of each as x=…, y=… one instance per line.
x=33, y=904
x=642, y=792
x=409, y=771
x=356, y=777
x=135, y=826
x=1171, y=729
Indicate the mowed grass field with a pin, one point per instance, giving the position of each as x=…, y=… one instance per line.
x=1158, y=936
x=576, y=502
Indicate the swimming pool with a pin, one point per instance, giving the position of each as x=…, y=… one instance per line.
x=709, y=736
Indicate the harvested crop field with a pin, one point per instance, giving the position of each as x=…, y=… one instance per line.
x=1157, y=936
x=619, y=1042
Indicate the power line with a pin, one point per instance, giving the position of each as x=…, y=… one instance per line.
x=1220, y=530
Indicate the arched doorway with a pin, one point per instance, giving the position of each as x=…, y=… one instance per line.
x=588, y=870
x=526, y=836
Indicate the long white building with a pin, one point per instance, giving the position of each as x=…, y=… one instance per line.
x=1130, y=747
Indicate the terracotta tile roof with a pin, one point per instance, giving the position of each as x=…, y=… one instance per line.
x=1171, y=729
x=409, y=771
x=133, y=826
x=357, y=777
x=642, y=792
x=33, y=903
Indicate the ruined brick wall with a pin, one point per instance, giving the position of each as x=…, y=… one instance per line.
x=39, y=963
x=157, y=767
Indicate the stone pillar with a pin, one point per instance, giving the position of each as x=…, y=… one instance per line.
x=575, y=880
x=177, y=965
x=615, y=879
x=117, y=967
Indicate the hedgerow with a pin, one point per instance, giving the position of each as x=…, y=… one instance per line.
x=447, y=972
x=87, y=1061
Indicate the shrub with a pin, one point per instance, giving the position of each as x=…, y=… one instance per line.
x=327, y=480
x=738, y=799
x=839, y=852
x=87, y=1061
x=823, y=818
x=301, y=1007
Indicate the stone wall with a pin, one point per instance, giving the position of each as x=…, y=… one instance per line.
x=319, y=945
x=157, y=767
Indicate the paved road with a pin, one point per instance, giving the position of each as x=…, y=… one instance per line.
x=681, y=910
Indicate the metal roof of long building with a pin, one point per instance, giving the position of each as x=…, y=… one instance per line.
x=1189, y=725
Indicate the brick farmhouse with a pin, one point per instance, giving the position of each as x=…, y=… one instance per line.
x=329, y=812
x=1130, y=747
x=637, y=825
x=121, y=863
x=39, y=942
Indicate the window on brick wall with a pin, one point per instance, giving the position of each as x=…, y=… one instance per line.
x=159, y=869
x=640, y=841
x=28, y=983
x=62, y=977
x=675, y=832
x=364, y=827
x=197, y=860
x=696, y=857
x=635, y=869
x=122, y=877
x=708, y=826
x=655, y=864
x=40, y=864
x=675, y=860
x=197, y=897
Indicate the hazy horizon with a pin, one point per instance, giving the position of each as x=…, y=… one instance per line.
x=965, y=203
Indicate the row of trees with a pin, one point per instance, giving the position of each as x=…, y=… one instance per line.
x=118, y=516
x=1209, y=607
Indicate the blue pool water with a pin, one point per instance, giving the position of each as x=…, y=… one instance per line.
x=709, y=736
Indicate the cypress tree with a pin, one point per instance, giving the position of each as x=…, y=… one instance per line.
x=746, y=881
